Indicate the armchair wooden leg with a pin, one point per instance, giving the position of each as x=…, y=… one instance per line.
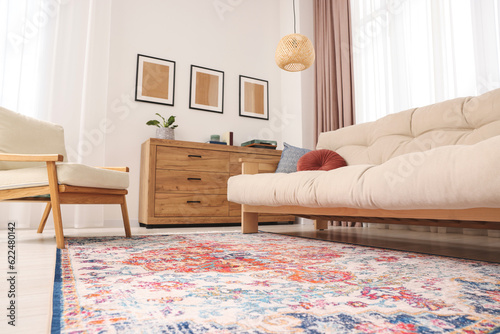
x=126, y=222
x=249, y=222
x=56, y=213
x=321, y=224
x=55, y=203
x=44, y=217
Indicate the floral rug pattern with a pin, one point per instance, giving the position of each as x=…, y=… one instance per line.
x=266, y=283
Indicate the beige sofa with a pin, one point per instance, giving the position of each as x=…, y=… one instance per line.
x=437, y=165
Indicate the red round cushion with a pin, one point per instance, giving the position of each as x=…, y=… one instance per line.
x=320, y=160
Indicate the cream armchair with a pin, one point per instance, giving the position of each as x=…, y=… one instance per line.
x=33, y=168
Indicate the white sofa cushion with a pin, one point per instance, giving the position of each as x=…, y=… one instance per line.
x=448, y=177
x=20, y=134
x=459, y=121
x=67, y=173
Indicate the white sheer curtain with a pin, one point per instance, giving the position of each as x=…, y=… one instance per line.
x=54, y=66
x=410, y=53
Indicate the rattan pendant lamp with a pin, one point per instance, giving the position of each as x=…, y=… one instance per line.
x=295, y=52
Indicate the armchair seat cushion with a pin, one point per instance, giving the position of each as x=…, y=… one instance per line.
x=67, y=173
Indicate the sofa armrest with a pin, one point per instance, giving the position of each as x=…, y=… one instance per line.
x=31, y=157
x=118, y=169
x=256, y=166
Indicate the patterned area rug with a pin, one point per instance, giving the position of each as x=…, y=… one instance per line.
x=266, y=283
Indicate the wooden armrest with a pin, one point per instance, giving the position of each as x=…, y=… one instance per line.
x=31, y=157
x=256, y=166
x=118, y=169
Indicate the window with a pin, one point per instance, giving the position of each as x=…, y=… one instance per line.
x=411, y=53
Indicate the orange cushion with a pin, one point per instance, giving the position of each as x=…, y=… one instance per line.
x=320, y=160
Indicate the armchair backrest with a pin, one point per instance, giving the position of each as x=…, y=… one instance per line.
x=21, y=134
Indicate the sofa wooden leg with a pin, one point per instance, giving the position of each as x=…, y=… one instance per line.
x=249, y=222
x=45, y=216
x=126, y=222
x=321, y=224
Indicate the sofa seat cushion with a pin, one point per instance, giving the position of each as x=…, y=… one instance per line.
x=448, y=177
x=67, y=173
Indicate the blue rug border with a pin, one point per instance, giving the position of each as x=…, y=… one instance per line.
x=57, y=297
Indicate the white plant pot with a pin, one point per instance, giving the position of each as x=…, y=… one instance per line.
x=165, y=133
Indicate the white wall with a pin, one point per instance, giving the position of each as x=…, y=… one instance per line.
x=297, y=88
x=307, y=78
x=238, y=39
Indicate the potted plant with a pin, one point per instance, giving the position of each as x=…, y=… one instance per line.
x=165, y=127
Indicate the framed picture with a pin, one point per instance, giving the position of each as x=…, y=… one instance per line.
x=207, y=89
x=254, y=98
x=155, y=80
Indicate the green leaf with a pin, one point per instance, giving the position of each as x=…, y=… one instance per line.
x=153, y=122
x=164, y=121
x=171, y=120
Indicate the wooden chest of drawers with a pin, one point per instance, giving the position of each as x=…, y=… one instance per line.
x=186, y=183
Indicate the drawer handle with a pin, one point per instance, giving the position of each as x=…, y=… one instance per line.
x=193, y=202
x=194, y=178
x=194, y=156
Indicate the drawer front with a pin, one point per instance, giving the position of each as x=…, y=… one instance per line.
x=195, y=205
x=235, y=165
x=192, y=159
x=234, y=209
x=199, y=182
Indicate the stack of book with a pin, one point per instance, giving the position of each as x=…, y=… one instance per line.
x=259, y=143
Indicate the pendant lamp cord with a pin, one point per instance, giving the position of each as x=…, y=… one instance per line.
x=294, y=24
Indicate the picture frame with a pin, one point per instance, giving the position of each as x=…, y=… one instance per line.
x=206, y=89
x=254, y=98
x=155, y=80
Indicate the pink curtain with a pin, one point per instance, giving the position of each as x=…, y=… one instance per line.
x=334, y=72
x=333, y=66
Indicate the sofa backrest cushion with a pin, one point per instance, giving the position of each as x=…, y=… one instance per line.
x=461, y=121
x=21, y=134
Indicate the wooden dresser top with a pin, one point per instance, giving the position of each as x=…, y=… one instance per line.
x=213, y=147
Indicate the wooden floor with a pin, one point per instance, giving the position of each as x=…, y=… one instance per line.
x=36, y=259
